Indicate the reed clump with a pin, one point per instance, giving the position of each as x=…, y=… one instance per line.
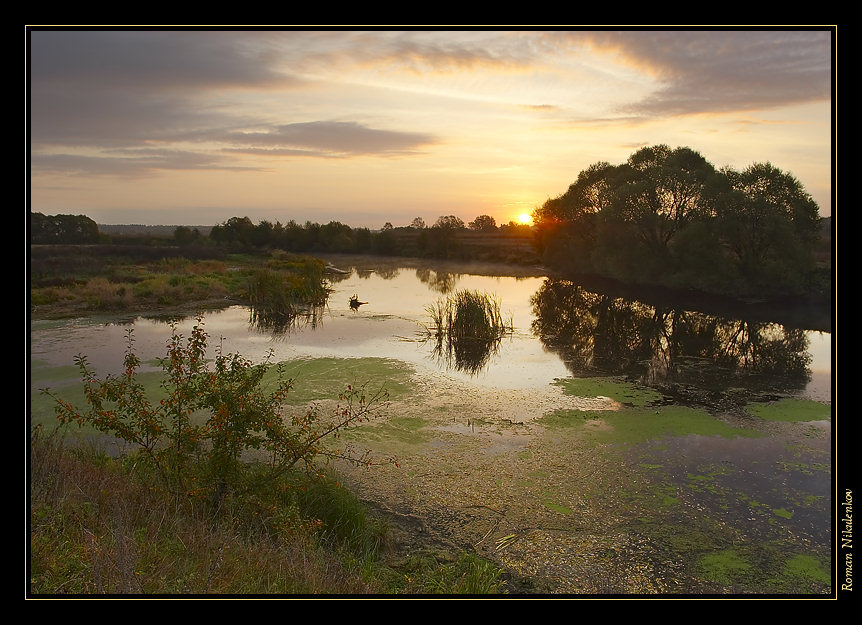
x=468, y=314
x=467, y=327
x=286, y=290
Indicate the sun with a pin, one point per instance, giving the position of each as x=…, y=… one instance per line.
x=525, y=219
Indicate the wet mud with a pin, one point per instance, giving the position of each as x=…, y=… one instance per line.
x=685, y=514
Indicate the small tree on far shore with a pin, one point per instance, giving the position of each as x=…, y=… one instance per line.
x=483, y=223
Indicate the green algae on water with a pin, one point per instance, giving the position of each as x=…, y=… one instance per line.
x=623, y=392
x=724, y=567
x=807, y=567
x=396, y=431
x=559, y=509
x=642, y=424
x=783, y=513
x=324, y=378
x=790, y=410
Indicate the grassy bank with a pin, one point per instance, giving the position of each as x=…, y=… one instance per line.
x=102, y=525
x=80, y=280
x=217, y=486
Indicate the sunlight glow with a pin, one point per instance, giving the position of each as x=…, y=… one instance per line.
x=525, y=219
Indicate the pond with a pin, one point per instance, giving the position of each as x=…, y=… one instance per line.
x=599, y=444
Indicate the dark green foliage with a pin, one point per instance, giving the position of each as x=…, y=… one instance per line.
x=53, y=229
x=668, y=217
x=484, y=223
x=343, y=520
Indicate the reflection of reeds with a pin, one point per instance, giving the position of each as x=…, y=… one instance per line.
x=283, y=299
x=467, y=326
x=286, y=321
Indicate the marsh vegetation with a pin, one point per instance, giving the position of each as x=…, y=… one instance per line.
x=466, y=328
x=602, y=444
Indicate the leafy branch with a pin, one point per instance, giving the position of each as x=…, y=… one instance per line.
x=214, y=415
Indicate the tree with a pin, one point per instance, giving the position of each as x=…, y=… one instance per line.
x=659, y=191
x=667, y=216
x=418, y=224
x=236, y=230
x=565, y=226
x=591, y=193
x=440, y=239
x=53, y=229
x=183, y=235
x=769, y=222
x=449, y=222
x=483, y=223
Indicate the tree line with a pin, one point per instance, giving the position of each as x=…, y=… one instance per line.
x=55, y=229
x=669, y=217
x=665, y=217
x=440, y=240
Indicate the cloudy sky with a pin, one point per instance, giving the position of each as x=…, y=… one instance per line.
x=364, y=127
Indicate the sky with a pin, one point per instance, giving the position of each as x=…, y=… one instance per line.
x=193, y=127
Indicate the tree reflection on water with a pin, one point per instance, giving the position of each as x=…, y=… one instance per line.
x=663, y=346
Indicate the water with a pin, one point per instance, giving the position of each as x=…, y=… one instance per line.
x=629, y=518
x=559, y=330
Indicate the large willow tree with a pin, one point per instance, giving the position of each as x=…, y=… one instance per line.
x=668, y=216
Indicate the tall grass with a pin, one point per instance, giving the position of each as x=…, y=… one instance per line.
x=287, y=291
x=468, y=315
x=467, y=327
x=98, y=525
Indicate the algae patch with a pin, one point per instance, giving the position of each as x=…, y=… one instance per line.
x=325, y=378
x=807, y=567
x=623, y=392
x=396, y=431
x=559, y=509
x=724, y=567
x=790, y=410
x=634, y=425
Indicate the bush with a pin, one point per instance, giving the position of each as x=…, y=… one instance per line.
x=197, y=434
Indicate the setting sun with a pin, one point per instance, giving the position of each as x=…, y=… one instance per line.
x=525, y=219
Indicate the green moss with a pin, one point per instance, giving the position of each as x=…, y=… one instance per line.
x=642, y=424
x=559, y=509
x=623, y=392
x=396, y=431
x=783, y=513
x=41, y=374
x=808, y=568
x=724, y=567
x=790, y=410
x=65, y=382
x=324, y=378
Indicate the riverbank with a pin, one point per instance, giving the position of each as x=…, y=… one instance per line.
x=68, y=280
x=572, y=480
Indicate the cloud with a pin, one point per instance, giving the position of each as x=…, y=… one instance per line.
x=330, y=138
x=128, y=163
x=157, y=94
x=417, y=51
x=147, y=60
x=192, y=97
x=109, y=89
x=722, y=71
